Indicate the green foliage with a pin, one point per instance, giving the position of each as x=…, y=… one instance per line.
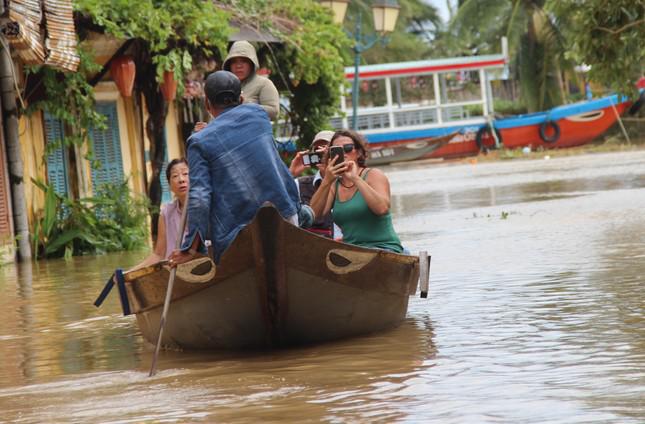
x=175, y=30
x=178, y=31
x=309, y=64
x=536, y=46
x=501, y=107
x=413, y=36
x=70, y=98
x=608, y=35
x=113, y=220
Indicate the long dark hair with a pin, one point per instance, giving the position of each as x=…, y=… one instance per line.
x=359, y=144
x=172, y=164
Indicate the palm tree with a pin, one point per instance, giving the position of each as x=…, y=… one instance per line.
x=535, y=44
x=411, y=39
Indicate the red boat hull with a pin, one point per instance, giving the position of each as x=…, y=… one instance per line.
x=575, y=130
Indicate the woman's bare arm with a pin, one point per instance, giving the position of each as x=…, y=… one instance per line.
x=375, y=189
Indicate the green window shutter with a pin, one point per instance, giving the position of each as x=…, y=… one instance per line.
x=107, y=148
x=57, y=174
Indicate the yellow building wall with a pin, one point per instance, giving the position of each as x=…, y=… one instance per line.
x=132, y=139
x=173, y=133
x=32, y=143
x=174, y=141
x=32, y=149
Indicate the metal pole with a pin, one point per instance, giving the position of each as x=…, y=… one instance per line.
x=357, y=62
x=620, y=122
x=14, y=158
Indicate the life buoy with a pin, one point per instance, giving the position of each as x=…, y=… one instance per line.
x=556, y=131
x=636, y=106
x=480, y=135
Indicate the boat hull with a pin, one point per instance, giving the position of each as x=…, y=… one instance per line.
x=278, y=285
x=575, y=130
x=382, y=154
x=578, y=124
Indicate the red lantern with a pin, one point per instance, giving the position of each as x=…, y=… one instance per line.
x=123, y=70
x=169, y=86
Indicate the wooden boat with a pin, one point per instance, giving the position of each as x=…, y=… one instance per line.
x=563, y=126
x=421, y=100
x=277, y=285
x=408, y=101
x=406, y=150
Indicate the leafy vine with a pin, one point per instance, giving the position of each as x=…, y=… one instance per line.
x=70, y=98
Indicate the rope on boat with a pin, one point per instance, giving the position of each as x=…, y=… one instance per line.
x=620, y=121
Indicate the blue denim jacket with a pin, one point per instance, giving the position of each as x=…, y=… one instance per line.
x=234, y=169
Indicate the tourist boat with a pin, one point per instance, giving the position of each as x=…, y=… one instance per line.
x=422, y=100
x=277, y=285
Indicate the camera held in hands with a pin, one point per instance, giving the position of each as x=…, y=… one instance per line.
x=312, y=158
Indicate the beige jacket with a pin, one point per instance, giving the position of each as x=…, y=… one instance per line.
x=255, y=88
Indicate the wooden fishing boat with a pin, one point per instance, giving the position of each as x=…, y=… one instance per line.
x=404, y=102
x=563, y=126
x=406, y=150
x=277, y=285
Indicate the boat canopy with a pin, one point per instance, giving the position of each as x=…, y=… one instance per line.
x=420, y=67
x=395, y=100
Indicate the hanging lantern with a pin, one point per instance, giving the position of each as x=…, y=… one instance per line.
x=122, y=71
x=168, y=86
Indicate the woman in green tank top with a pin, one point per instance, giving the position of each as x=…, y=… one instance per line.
x=358, y=197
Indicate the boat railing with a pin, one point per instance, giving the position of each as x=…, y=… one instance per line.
x=410, y=115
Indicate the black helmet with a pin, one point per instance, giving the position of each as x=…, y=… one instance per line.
x=223, y=88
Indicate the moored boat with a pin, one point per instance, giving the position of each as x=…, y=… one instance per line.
x=407, y=101
x=563, y=126
x=406, y=150
x=277, y=285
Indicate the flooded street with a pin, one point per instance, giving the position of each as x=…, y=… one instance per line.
x=536, y=314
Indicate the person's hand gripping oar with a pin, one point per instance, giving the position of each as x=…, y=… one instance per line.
x=171, y=282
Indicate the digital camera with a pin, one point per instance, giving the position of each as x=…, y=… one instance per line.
x=312, y=158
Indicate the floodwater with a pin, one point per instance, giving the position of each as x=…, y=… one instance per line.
x=536, y=314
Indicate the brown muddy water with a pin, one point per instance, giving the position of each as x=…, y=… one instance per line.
x=536, y=315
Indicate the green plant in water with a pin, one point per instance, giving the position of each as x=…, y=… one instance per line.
x=112, y=220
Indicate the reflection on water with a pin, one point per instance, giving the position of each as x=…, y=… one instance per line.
x=536, y=314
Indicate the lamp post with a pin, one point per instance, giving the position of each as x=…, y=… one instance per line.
x=385, y=14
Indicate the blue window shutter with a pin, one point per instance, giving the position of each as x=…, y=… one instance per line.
x=165, y=188
x=56, y=161
x=107, y=148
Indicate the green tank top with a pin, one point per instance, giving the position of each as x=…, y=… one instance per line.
x=361, y=226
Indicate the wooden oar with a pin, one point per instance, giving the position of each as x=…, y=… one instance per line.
x=171, y=282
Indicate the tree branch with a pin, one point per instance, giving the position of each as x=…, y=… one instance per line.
x=623, y=28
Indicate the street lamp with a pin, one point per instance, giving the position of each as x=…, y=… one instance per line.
x=385, y=14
